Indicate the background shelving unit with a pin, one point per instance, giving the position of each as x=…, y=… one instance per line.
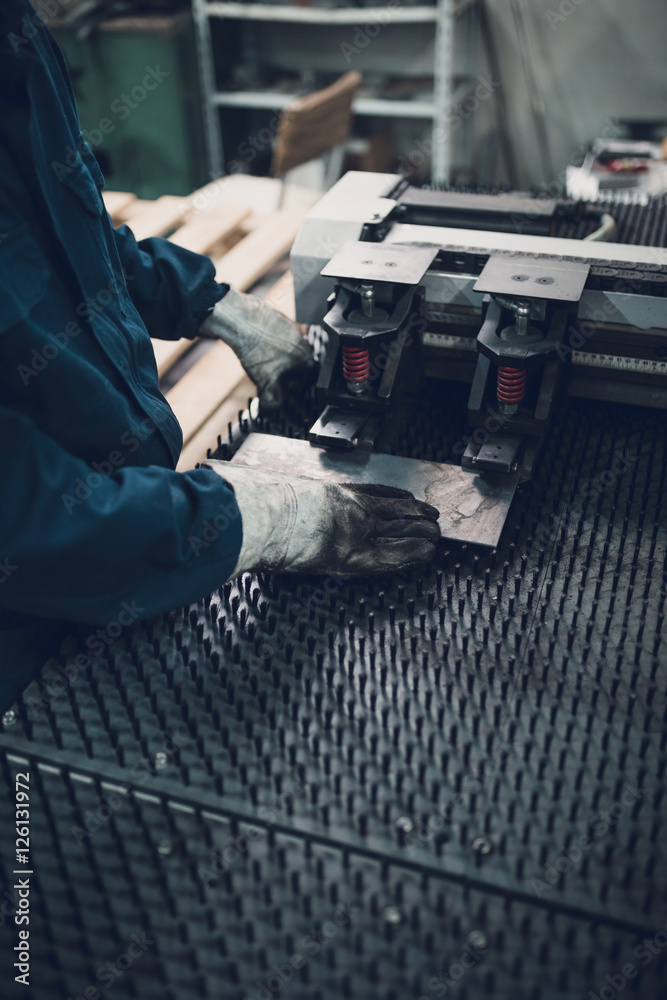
x=448, y=89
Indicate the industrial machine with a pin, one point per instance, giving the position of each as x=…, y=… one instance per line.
x=480, y=288
x=442, y=782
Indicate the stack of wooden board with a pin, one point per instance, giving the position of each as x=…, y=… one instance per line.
x=234, y=222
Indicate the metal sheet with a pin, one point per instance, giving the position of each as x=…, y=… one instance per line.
x=472, y=508
x=404, y=264
x=551, y=246
x=558, y=280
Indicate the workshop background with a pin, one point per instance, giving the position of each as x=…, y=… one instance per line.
x=446, y=783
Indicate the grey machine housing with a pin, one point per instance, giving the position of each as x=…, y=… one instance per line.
x=483, y=271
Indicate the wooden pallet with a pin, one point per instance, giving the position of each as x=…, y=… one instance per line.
x=234, y=222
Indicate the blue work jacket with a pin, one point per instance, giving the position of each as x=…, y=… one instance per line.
x=96, y=527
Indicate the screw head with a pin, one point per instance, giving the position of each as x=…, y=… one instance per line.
x=9, y=718
x=390, y=263
x=481, y=846
x=478, y=939
x=519, y=277
x=392, y=915
x=165, y=847
x=160, y=760
x=548, y=280
x=367, y=262
x=404, y=824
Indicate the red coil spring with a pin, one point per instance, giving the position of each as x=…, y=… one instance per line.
x=511, y=385
x=356, y=364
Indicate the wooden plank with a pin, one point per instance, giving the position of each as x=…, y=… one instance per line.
x=245, y=263
x=202, y=389
x=205, y=230
x=167, y=352
x=281, y=295
x=202, y=231
x=207, y=436
x=116, y=202
x=135, y=207
x=163, y=215
x=262, y=193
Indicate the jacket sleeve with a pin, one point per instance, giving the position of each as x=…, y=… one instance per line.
x=76, y=544
x=172, y=288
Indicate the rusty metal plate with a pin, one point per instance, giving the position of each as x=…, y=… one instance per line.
x=473, y=508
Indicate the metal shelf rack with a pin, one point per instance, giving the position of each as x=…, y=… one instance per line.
x=437, y=107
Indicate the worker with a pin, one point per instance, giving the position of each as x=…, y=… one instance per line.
x=94, y=519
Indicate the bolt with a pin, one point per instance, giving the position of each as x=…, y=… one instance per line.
x=481, y=846
x=404, y=824
x=160, y=760
x=392, y=915
x=9, y=718
x=477, y=939
x=165, y=847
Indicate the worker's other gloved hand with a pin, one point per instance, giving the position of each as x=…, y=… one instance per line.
x=270, y=347
x=296, y=525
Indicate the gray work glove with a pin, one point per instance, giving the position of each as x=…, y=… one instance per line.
x=270, y=347
x=296, y=525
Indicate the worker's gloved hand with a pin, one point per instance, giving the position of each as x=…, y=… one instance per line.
x=296, y=525
x=270, y=347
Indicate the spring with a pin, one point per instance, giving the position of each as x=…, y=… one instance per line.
x=511, y=385
x=356, y=364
